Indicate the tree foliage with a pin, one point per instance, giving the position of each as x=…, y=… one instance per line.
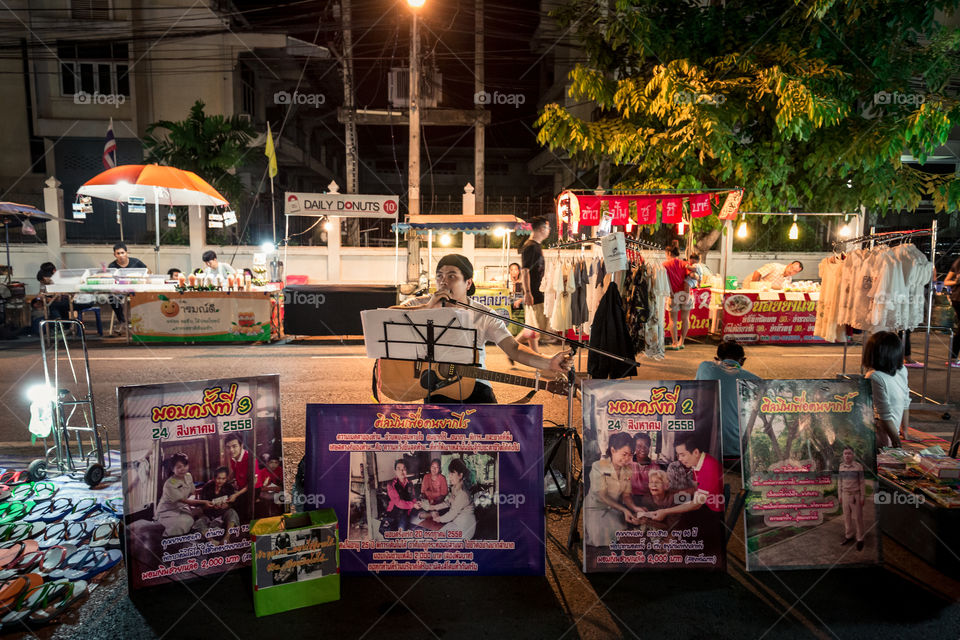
x=805, y=104
x=210, y=146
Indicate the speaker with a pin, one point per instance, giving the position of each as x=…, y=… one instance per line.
x=557, y=443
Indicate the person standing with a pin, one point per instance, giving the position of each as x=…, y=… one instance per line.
x=122, y=260
x=680, y=302
x=531, y=275
x=852, y=490
x=953, y=281
x=727, y=368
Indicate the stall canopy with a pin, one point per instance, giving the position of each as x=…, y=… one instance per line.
x=476, y=224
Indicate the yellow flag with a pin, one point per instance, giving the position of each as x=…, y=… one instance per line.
x=271, y=153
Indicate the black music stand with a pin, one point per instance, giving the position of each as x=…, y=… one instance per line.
x=430, y=335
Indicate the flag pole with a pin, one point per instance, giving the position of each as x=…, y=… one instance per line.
x=273, y=212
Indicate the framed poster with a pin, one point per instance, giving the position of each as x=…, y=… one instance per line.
x=809, y=468
x=447, y=489
x=199, y=461
x=653, y=497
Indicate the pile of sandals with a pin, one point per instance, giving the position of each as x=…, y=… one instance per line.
x=51, y=549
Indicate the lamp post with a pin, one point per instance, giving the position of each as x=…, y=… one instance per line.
x=413, y=160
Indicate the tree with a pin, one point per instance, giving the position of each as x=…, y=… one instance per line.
x=210, y=146
x=806, y=104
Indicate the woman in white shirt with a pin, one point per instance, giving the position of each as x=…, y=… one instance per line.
x=883, y=362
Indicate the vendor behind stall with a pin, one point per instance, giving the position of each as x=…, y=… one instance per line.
x=775, y=274
x=215, y=267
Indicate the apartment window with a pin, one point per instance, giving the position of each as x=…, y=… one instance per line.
x=94, y=67
x=90, y=9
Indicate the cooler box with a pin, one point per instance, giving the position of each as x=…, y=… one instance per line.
x=296, y=561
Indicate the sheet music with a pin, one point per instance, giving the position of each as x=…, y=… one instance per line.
x=388, y=334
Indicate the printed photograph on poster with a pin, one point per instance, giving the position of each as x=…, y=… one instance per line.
x=654, y=481
x=809, y=466
x=199, y=461
x=417, y=488
x=436, y=491
x=295, y=556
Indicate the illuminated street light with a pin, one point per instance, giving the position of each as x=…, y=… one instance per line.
x=794, y=230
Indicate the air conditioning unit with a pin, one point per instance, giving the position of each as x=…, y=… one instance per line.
x=398, y=84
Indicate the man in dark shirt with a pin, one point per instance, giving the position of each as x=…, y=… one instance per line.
x=122, y=261
x=531, y=274
x=218, y=510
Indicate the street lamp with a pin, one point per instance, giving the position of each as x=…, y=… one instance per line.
x=413, y=159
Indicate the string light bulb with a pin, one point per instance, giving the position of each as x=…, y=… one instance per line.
x=445, y=240
x=742, y=229
x=794, y=230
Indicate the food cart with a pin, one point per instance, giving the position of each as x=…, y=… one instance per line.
x=164, y=311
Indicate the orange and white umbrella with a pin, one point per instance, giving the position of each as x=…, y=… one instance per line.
x=156, y=184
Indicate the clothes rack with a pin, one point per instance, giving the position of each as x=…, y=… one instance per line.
x=885, y=237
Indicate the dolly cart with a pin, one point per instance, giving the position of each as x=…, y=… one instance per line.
x=78, y=440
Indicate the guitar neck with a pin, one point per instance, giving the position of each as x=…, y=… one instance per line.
x=496, y=376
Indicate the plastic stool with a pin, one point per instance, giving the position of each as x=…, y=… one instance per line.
x=96, y=314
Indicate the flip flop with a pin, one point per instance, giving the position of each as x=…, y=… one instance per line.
x=12, y=589
x=115, y=505
x=44, y=602
x=11, y=553
x=14, y=477
x=106, y=534
x=36, y=491
x=63, y=598
x=13, y=511
x=5, y=492
x=82, y=508
x=913, y=365
x=50, y=510
x=87, y=563
x=21, y=531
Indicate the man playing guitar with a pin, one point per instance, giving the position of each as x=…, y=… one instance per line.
x=455, y=282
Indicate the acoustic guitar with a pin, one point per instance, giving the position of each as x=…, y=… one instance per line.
x=409, y=380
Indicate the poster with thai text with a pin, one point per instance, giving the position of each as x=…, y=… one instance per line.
x=200, y=460
x=809, y=468
x=428, y=488
x=209, y=316
x=771, y=317
x=653, y=497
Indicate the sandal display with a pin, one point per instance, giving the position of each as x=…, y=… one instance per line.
x=35, y=491
x=87, y=563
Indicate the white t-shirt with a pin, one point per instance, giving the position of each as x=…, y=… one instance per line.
x=489, y=329
x=891, y=394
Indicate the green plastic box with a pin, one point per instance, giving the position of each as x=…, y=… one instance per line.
x=296, y=561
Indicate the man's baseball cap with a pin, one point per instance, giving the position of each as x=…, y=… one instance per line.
x=461, y=263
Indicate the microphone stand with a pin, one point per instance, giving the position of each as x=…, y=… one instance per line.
x=571, y=389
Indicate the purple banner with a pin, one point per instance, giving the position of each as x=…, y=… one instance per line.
x=425, y=488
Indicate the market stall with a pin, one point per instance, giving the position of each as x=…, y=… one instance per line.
x=492, y=290
x=167, y=311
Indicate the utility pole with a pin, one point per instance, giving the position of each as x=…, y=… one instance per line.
x=350, y=126
x=413, y=155
x=413, y=159
x=478, y=127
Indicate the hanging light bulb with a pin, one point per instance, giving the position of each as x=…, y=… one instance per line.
x=742, y=229
x=794, y=230
x=845, y=231
x=445, y=240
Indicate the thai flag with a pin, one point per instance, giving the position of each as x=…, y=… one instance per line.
x=110, y=149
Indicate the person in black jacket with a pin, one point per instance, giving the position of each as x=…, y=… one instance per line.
x=610, y=333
